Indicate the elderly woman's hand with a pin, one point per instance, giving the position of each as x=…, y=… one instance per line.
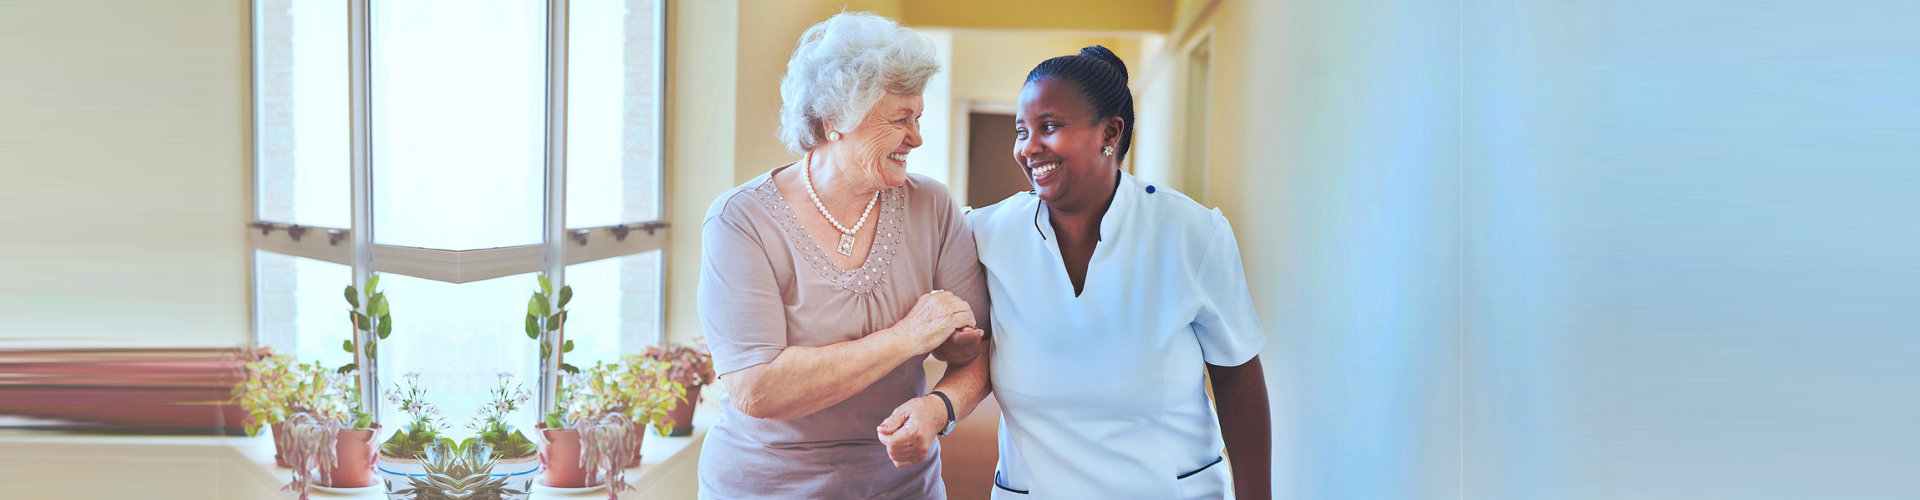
x=910, y=431
x=935, y=318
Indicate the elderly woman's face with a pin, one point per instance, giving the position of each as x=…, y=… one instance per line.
x=1057, y=142
x=879, y=146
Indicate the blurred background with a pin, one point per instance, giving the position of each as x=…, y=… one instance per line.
x=1502, y=249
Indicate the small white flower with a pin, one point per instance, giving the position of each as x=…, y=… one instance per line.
x=506, y=375
x=412, y=375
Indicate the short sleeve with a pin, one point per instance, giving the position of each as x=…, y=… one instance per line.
x=739, y=298
x=1227, y=326
x=957, y=268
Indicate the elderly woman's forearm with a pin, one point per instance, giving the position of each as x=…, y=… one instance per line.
x=803, y=380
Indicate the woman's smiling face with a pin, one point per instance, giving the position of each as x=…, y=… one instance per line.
x=878, y=147
x=1057, y=144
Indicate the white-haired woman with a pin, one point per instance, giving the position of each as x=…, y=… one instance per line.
x=826, y=282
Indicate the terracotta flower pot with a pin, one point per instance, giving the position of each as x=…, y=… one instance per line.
x=635, y=461
x=282, y=446
x=682, y=413
x=354, y=457
x=560, y=458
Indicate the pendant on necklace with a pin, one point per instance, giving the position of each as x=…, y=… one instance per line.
x=846, y=244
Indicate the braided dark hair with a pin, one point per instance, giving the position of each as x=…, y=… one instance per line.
x=1102, y=79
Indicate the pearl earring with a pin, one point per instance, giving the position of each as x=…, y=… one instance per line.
x=833, y=136
x=1108, y=150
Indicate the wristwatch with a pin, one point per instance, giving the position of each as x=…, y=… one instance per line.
x=951, y=420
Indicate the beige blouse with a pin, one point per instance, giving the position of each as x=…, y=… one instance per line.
x=765, y=285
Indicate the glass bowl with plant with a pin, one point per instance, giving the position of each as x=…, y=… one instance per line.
x=514, y=456
x=400, y=455
x=460, y=473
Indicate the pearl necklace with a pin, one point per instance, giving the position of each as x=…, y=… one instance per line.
x=846, y=235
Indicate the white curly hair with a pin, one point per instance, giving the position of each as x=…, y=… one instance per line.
x=841, y=68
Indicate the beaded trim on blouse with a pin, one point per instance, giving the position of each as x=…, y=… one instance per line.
x=887, y=236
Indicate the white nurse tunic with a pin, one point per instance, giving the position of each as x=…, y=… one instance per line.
x=1103, y=394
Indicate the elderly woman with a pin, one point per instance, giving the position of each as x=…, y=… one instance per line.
x=1115, y=304
x=826, y=282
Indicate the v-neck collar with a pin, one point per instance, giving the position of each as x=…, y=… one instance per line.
x=1110, y=222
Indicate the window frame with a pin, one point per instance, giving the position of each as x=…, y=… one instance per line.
x=354, y=246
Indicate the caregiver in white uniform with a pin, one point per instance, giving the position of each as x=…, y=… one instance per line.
x=1113, y=303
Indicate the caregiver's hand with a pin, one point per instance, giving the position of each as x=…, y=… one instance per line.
x=935, y=318
x=910, y=431
x=961, y=347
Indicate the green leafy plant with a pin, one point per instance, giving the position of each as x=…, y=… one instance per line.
x=455, y=472
x=266, y=386
x=423, y=431
x=491, y=420
x=546, y=313
x=370, y=315
x=275, y=388
x=647, y=391
x=637, y=387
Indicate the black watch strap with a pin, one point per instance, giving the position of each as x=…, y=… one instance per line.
x=951, y=420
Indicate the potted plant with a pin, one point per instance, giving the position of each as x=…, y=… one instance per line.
x=372, y=320
x=514, y=457
x=266, y=386
x=402, y=453
x=456, y=472
x=560, y=446
x=691, y=366
x=330, y=433
x=345, y=450
x=596, y=430
x=644, y=392
x=545, y=323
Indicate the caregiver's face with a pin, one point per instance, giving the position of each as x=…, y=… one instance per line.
x=880, y=144
x=1057, y=141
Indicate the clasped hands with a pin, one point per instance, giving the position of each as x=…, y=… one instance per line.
x=942, y=317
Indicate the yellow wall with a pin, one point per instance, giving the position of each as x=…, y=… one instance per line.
x=124, y=144
x=1108, y=15
x=989, y=66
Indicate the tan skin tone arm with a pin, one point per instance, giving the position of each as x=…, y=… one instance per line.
x=1240, y=397
x=910, y=431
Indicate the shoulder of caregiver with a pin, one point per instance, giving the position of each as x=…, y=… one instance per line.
x=1165, y=216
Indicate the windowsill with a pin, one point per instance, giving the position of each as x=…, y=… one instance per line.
x=242, y=467
x=663, y=459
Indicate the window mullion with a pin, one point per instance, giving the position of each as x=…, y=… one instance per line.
x=359, y=95
x=556, y=176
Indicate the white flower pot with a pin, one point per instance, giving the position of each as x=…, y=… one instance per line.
x=394, y=474
x=520, y=473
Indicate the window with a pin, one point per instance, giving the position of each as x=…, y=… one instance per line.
x=459, y=149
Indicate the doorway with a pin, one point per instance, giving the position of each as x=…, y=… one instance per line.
x=991, y=172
